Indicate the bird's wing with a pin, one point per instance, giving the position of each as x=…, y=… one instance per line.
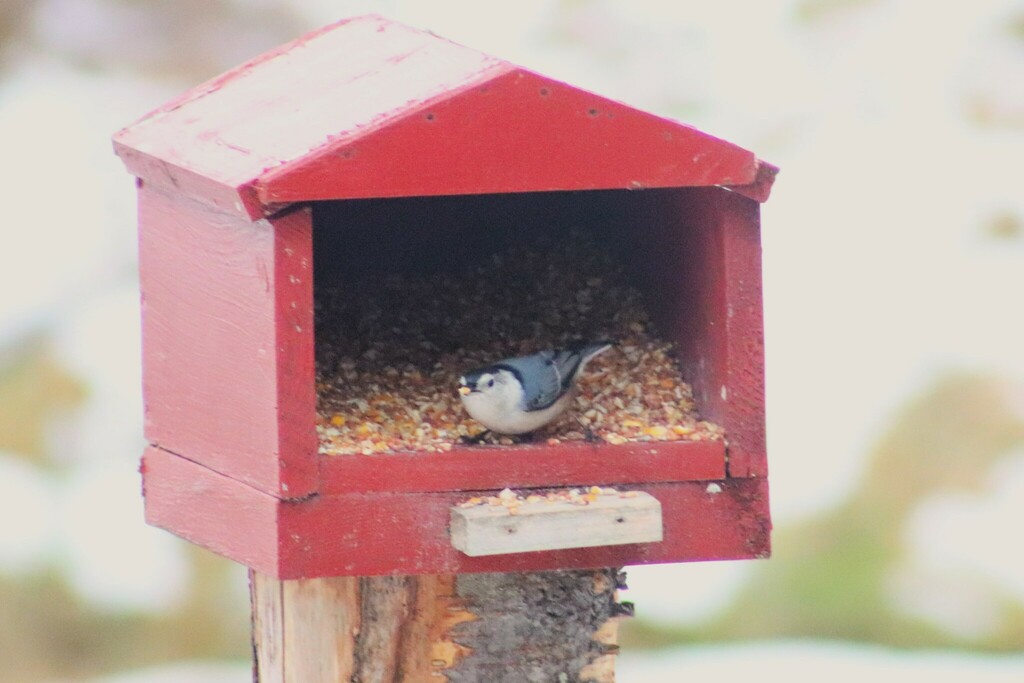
x=540, y=376
x=547, y=375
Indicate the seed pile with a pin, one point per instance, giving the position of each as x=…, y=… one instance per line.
x=390, y=350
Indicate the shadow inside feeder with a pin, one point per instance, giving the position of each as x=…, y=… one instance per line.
x=411, y=293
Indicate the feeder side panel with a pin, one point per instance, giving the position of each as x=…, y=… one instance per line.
x=296, y=365
x=744, y=399
x=714, y=261
x=685, y=272
x=211, y=510
x=210, y=341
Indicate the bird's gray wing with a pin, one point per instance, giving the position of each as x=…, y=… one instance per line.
x=547, y=375
x=541, y=377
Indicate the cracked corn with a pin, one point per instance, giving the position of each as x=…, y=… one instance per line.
x=390, y=350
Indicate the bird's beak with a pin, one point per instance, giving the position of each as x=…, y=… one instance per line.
x=465, y=391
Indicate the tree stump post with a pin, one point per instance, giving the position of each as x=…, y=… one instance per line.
x=542, y=627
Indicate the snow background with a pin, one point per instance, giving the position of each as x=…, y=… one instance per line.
x=879, y=275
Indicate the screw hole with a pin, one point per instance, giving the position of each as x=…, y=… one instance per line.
x=544, y=92
x=620, y=520
x=430, y=116
x=593, y=112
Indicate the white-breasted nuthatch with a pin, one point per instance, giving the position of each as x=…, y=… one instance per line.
x=521, y=395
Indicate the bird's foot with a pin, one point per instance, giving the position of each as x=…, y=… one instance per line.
x=523, y=438
x=475, y=440
x=590, y=437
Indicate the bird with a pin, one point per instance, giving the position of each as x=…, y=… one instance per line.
x=518, y=396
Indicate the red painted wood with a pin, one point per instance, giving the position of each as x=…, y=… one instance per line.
x=744, y=399
x=393, y=533
x=371, y=108
x=518, y=132
x=699, y=259
x=222, y=345
x=525, y=466
x=294, y=340
x=272, y=110
x=368, y=534
x=761, y=188
x=210, y=509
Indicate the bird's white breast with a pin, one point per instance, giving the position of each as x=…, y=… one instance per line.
x=500, y=410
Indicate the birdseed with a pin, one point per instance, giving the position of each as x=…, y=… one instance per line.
x=390, y=350
x=512, y=501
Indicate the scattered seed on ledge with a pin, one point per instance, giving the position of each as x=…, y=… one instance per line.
x=512, y=501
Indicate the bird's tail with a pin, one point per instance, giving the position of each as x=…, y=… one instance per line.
x=579, y=354
x=590, y=350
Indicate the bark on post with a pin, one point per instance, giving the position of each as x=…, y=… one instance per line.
x=470, y=628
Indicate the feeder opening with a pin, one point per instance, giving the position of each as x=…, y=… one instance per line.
x=411, y=293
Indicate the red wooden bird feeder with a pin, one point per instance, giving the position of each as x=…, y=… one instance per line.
x=371, y=150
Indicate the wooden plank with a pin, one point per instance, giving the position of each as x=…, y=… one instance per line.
x=518, y=132
x=745, y=398
x=209, y=509
x=304, y=630
x=372, y=91
x=368, y=534
x=524, y=466
x=609, y=519
x=380, y=533
x=333, y=82
x=294, y=334
x=347, y=628
x=383, y=534
x=227, y=341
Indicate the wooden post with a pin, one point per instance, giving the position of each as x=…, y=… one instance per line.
x=468, y=628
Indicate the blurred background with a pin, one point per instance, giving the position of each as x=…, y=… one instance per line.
x=894, y=274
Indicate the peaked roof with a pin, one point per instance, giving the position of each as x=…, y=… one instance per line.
x=368, y=107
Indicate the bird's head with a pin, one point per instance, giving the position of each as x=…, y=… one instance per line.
x=489, y=382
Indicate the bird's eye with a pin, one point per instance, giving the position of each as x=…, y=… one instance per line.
x=490, y=382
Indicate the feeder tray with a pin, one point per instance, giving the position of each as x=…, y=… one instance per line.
x=390, y=347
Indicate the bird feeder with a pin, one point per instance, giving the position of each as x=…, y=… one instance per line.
x=369, y=170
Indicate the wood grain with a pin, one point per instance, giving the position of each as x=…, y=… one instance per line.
x=367, y=629
x=304, y=630
x=405, y=629
x=554, y=525
x=541, y=626
x=740, y=223
x=227, y=341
